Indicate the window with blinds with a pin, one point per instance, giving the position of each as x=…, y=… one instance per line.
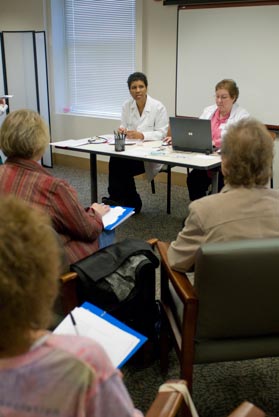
x=100, y=45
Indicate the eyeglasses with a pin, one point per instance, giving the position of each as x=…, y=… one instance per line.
x=221, y=97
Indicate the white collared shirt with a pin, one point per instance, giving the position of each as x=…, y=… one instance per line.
x=153, y=122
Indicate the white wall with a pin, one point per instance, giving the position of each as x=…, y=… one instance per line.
x=21, y=15
x=159, y=60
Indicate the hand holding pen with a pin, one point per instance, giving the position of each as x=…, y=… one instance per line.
x=120, y=134
x=101, y=209
x=122, y=130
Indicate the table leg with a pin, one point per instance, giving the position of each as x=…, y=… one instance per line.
x=93, y=177
x=215, y=178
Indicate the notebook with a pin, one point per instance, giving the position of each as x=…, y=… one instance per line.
x=191, y=134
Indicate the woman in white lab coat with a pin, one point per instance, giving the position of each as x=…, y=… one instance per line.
x=222, y=114
x=143, y=118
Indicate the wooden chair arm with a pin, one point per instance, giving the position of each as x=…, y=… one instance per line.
x=179, y=280
x=166, y=404
x=152, y=242
x=68, y=291
x=182, y=328
x=247, y=409
x=68, y=276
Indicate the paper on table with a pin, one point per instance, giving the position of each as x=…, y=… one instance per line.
x=71, y=143
x=117, y=342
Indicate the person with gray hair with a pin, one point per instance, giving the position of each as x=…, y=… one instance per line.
x=246, y=208
x=24, y=137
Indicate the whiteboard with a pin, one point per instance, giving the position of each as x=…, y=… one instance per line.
x=241, y=43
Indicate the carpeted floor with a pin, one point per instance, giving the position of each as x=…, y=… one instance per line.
x=152, y=221
x=218, y=388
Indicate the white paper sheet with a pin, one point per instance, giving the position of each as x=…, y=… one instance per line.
x=117, y=342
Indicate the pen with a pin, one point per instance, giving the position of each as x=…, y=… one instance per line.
x=74, y=323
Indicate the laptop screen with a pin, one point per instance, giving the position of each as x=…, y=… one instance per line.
x=191, y=134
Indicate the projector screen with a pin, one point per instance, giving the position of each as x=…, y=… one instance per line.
x=241, y=43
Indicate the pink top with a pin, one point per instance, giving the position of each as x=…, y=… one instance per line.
x=63, y=376
x=216, y=122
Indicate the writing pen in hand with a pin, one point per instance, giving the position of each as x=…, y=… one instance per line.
x=74, y=323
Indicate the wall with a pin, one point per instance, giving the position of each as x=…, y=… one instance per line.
x=159, y=60
x=22, y=15
x=159, y=57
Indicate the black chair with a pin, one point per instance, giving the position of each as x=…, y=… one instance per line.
x=231, y=313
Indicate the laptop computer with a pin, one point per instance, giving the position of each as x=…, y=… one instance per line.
x=191, y=134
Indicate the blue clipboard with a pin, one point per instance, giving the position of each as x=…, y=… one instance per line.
x=128, y=211
x=106, y=316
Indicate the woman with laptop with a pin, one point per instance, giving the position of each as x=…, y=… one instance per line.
x=222, y=114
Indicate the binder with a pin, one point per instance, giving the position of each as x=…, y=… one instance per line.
x=116, y=216
x=118, y=339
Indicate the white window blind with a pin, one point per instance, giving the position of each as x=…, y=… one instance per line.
x=100, y=54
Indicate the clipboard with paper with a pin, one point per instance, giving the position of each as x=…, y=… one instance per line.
x=119, y=340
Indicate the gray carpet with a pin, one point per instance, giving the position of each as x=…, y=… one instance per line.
x=218, y=388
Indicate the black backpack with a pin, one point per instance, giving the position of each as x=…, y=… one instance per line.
x=120, y=279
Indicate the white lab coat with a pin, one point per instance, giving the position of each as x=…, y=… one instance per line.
x=3, y=108
x=237, y=113
x=153, y=123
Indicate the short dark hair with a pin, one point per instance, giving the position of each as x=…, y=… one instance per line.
x=137, y=76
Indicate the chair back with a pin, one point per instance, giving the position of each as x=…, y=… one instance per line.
x=237, y=285
x=247, y=409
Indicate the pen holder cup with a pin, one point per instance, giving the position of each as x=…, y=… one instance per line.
x=119, y=145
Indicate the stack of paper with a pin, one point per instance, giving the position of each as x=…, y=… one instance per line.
x=119, y=340
x=116, y=216
x=70, y=143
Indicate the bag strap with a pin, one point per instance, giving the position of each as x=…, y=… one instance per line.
x=182, y=388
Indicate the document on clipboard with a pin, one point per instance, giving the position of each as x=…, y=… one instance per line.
x=119, y=341
x=116, y=216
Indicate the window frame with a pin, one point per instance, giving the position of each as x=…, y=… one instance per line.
x=58, y=59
